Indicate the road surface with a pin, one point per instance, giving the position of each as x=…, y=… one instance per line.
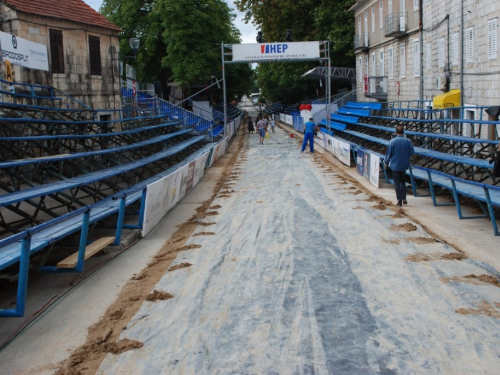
x=305, y=272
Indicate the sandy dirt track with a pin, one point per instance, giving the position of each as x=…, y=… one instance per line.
x=293, y=268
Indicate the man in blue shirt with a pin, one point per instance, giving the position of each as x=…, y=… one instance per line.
x=398, y=159
x=309, y=135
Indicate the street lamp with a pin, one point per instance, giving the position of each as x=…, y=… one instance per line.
x=134, y=44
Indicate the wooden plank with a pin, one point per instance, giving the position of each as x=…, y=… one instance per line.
x=93, y=248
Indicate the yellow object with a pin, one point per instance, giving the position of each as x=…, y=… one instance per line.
x=447, y=100
x=8, y=71
x=268, y=135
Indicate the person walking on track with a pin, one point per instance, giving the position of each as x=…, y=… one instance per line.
x=261, y=128
x=309, y=128
x=397, y=158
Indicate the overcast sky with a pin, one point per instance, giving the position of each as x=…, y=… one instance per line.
x=248, y=32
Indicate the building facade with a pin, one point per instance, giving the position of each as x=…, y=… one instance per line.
x=82, y=47
x=404, y=62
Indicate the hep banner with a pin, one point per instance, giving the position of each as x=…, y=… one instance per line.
x=267, y=52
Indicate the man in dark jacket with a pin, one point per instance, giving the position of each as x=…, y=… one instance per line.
x=398, y=159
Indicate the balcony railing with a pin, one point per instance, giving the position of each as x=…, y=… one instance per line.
x=396, y=24
x=361, y=42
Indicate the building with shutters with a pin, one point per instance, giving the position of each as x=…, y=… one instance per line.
x=82, y=46
x=388, y=50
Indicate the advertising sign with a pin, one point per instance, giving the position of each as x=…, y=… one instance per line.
x=374, y=169
x=23, y=52
x=342, y=152
x=359, y=161
x=267, y=52
x=164, y=194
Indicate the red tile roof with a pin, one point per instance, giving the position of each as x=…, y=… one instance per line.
x=72, y=10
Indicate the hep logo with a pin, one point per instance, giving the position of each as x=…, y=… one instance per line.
x=273, y=48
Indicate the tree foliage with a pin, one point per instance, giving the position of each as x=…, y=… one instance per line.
x=181, y=40
x=308, y=20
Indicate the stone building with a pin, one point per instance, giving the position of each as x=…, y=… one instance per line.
x=82, y=48
x=388, y=49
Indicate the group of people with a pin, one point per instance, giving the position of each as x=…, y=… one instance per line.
x=262, y=124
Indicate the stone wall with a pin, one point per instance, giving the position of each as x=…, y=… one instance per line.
x=97, y=92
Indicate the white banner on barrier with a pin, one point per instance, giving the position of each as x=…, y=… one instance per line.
x=255, y=52
x=282, y=117
x=23, y=52
x=342, y=151
x=289, y=119
x=218, y=151
x=374, y=169
x=165, y=193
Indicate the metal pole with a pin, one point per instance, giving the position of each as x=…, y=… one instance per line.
x=328, y=87
x=224, y=89
x=462, y=58
x=421, y=42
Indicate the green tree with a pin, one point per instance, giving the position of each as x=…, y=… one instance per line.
x=308, y=20
x=180, y=40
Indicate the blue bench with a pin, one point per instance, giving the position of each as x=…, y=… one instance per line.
x=19, y=247
x=428, y=153
x=488, y=194
x=353, y=112
x=216, y=131
x=92, y=135
x=334, y=125
x=449, y=137
x=342, y=118
x=364, y=105
x=76, y=155
x=82, y=180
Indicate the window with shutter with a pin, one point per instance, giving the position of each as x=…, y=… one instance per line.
x=95, y=55
x=56, y=51
x=389, y=11
x=373, y=19
x=391, y=63
x=402, y=60
x=381, y=63
x=428, y=56
x=374, y=66
x=492, y=39
x=381, y=14
x=416, y=58
x=360, y=63
x=469, y=45
x=359, y=26
x=441, y=52
x=415, y=4
x=366, y=64
x=454, y=49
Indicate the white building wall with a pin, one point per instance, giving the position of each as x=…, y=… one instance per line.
x=481, y=78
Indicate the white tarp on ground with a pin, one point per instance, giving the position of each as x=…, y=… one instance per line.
x=305, y=275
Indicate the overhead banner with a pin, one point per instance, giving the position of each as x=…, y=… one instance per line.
x=267, y=52
x=23, y=52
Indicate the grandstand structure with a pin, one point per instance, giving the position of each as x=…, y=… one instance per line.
x=64, y=174
x=451, y=155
